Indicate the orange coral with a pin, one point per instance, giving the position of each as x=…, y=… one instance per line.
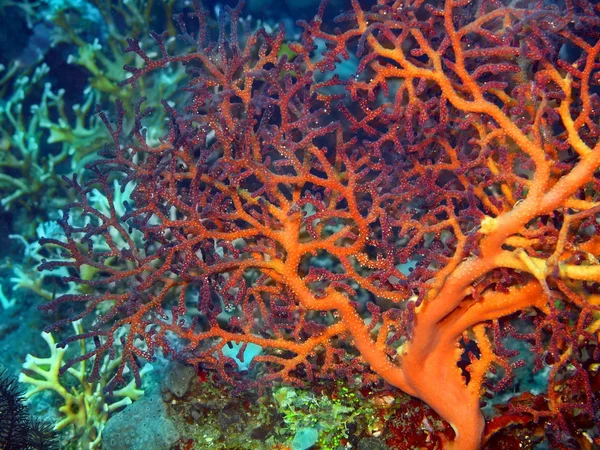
x=395, y=228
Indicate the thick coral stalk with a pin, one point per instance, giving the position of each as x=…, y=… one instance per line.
x=400, y=224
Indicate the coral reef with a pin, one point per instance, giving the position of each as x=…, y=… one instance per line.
x=398, y=195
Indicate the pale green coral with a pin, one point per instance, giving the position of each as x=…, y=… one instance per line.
x=22, y=171
x=85, y=406
x=5, y=302
x=26, y=275
x=29, y=172
x=57, y=134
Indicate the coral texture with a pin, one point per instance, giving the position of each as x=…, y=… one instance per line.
x=401, y=223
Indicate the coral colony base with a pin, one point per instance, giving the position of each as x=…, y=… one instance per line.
x=407, y=222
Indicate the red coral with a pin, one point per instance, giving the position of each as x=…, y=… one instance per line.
x=401, y=223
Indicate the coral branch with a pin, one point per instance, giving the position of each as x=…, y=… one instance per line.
x=397, y=224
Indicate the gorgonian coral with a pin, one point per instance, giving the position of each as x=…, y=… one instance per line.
x=399, y=223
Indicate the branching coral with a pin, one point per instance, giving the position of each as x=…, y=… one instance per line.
x=399, y=224
x=86, y=407
x=45, y=129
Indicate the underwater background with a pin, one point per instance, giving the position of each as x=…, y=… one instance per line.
x=64, y=61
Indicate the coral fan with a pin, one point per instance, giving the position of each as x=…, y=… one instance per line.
x=401, y=224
